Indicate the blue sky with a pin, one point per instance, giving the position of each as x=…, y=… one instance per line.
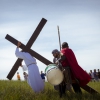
x=78, y=20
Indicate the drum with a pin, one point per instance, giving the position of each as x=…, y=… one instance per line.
x=54, y=74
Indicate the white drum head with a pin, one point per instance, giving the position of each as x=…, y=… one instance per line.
x=55, y=76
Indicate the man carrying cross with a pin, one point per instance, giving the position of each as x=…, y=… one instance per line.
x=34, y=78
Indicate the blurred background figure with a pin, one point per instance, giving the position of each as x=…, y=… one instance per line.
x=92, y=76
x=95, y=75
x=43, y=76
x=25, y=76
x=99, y=74
x=18, y=76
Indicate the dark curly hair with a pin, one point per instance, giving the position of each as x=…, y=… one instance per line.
x=64, y=45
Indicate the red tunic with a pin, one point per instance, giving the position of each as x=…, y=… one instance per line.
x=76, y=70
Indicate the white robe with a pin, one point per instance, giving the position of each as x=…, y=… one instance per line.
x=24, y=68
x=34, y=78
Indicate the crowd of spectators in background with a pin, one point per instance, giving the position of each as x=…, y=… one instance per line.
x=95, y=75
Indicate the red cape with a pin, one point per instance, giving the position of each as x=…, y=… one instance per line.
x=76, y=70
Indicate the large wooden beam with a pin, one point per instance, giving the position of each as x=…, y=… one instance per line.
x=32, y=52
x=45, y=61
x=27, y=47
x=89, y=89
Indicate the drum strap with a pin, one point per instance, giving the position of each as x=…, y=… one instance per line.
x=52, y=68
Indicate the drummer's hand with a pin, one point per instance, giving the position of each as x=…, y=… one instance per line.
x=61, y=54
x=63, y=70
x=57, y=62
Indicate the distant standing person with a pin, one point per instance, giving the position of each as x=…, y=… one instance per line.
x=25, y=76
x=24, y=68
x=95, y=75
x=43, y=76
x=99, y=74
x=92, y=76
x=18, y=76
x=34, y=78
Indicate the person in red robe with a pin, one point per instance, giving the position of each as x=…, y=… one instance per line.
x=70, y=61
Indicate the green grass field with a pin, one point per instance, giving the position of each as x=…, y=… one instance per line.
x=20, y=90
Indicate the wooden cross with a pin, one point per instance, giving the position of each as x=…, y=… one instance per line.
x=35, y=54
x=26, y=48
